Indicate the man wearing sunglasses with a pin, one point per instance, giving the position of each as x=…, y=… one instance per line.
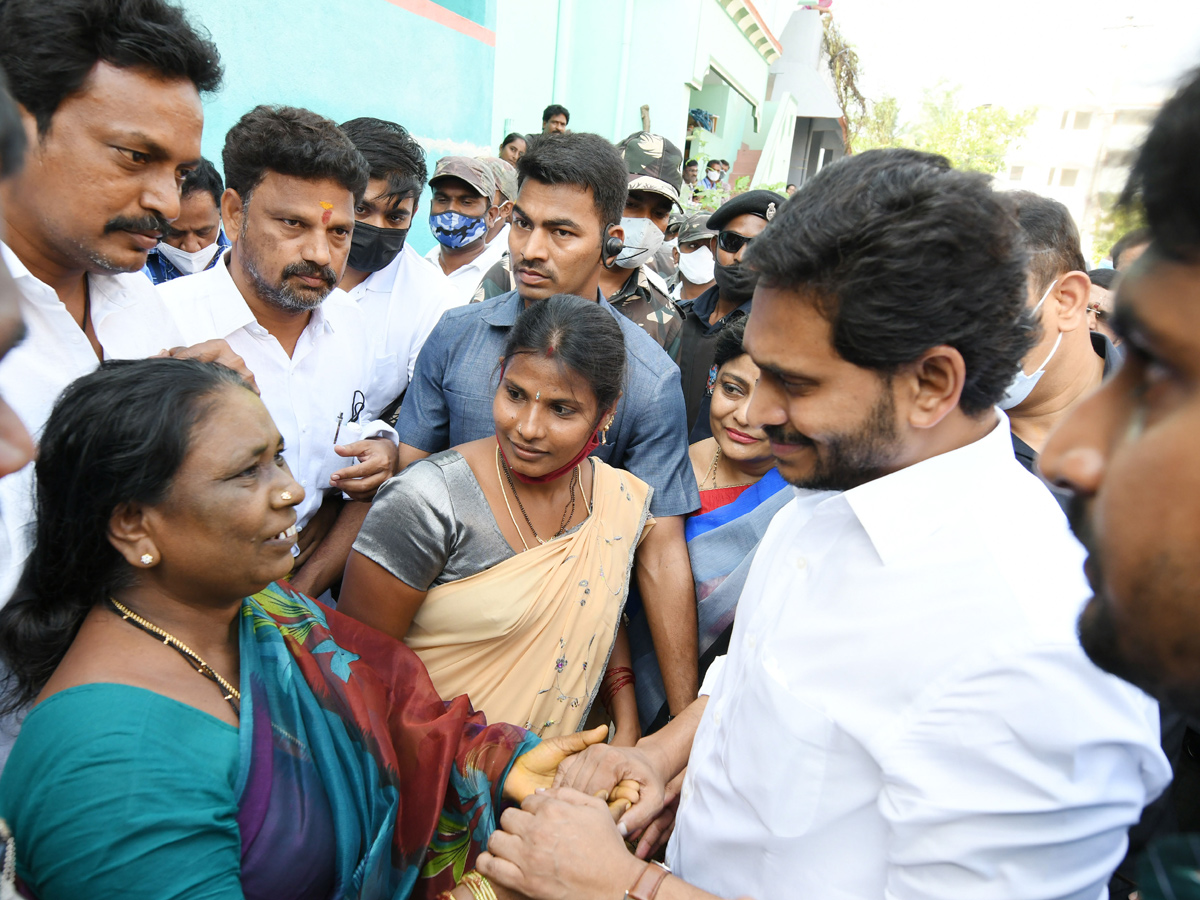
x=736, y=224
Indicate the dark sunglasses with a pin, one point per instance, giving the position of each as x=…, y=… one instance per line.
x=731, y=241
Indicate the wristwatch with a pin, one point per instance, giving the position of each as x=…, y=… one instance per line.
x=648, y=882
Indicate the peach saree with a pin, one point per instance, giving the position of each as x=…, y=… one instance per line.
x=528, y=640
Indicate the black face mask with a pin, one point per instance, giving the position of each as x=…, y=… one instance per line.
x=373, y=248
x=735, y=283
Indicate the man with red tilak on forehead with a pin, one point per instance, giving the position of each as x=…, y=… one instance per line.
x=293, y=179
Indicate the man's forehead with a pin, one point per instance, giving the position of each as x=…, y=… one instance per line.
x=137, y=101
x=553, y=201
x=279, y=188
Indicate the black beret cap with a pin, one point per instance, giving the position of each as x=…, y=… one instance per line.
x=763, y=204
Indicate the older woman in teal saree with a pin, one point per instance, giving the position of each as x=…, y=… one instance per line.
x=183, y=742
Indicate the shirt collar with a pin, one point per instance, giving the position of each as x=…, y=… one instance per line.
x=104, y=288
x=229, y=309
x=901, y=510
x=502, y=311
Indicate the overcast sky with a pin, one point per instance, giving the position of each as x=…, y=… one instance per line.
x=1055, y=53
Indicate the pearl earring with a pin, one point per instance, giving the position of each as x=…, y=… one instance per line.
x=147, y=559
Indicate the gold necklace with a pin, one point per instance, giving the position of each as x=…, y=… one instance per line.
x=712, y=473
x=232, y=695
x=568, y=510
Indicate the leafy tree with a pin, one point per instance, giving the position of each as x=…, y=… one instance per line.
x=976, y=139
x=1113, y=220
x=880, y=127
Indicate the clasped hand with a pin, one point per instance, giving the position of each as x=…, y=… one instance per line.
x=377, y=458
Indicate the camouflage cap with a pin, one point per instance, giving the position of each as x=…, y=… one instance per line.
x=654, y=164
x=505, y=176
x=466, y=168
x=696, y=229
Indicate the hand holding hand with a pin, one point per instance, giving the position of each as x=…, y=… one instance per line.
x=536, y=769
x=561, y=845
x=377, y=459
x=601, y=767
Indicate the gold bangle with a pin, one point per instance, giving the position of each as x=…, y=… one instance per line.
x=479, y=886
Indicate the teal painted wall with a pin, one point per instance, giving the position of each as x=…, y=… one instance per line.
x=604, y=60
x=348, y=58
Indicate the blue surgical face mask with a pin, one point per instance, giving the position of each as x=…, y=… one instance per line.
x=1022, y=385
x=455, y=230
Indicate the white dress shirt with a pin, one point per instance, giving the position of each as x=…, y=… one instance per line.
x=130, y=322
x=304, y=392
x=401, y=302
x=905, y=711
x=464, y=280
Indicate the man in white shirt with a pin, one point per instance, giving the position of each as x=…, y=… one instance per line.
x=110, y=138
x=293, y=179
x=401, y=293
x=461, y=214
x=905, y=711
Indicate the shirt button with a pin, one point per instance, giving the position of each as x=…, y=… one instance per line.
x=716, y=718
x=801, y=563
x=304, y=482
x=751, y=642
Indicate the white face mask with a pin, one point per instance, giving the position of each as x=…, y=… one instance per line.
x=189, y=263
x=697, y=266
x=1022, y=385
x=642, y=240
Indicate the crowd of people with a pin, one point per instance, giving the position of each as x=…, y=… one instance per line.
x=833, y=543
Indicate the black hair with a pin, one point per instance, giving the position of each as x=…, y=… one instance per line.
x=723, y=162
x=1050, y=235
x=290, y=141
x=1128, y=241
x=513, y=136
x=712, y=164
x=584, y=160
x=901, y=253
x=50, y=47
x=117, y=435
x=204, y=177
x=392, y=154
x=1102, y=277
x=691, y=162
x=1165, y=176
x=788, y=185
x=12, y=134
x=581, y=335
x=728, y=343
x=554, y=109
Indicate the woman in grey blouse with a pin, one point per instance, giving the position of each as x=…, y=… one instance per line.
x=505, y=562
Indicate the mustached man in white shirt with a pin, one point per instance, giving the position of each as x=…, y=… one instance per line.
x=292, y=180
x=401, y=293
x=905, y=711
x=110, y=137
